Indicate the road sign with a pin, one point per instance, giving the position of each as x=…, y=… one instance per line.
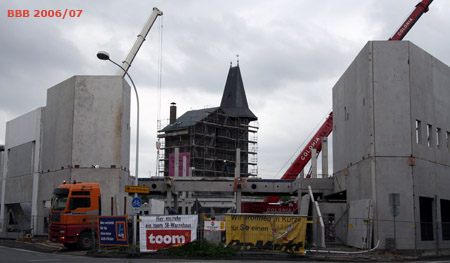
x=394, y=211
x=137, y=189
x=136, y=210
x=137, y=202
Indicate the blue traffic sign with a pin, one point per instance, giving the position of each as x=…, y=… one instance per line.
x=137, y=202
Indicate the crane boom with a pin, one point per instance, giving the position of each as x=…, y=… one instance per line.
x=421, y=8
x=140, y=39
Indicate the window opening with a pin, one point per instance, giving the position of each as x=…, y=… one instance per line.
x=426, y=218
x=429, y=135
x=445, y=219
x=418, y=132
x=438, y=138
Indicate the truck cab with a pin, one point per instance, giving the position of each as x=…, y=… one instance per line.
x=74, y=214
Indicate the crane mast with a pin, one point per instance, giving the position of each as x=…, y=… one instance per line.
x=140, y=39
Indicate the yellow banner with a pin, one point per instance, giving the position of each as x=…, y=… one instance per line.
x=265, y=232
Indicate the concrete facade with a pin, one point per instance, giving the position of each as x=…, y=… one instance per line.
x=391, y=136
x=86, y=137
x=82, y=134
x=20, y=179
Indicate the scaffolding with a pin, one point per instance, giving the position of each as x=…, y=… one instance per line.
x=210, y=142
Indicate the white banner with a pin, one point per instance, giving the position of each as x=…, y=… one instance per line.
x=158, y=232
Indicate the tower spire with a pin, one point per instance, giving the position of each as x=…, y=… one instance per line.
x=234, y=101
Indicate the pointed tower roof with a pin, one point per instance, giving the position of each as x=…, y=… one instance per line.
x=234, y=101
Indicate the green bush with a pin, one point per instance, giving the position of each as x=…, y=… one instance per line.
x=201, y=248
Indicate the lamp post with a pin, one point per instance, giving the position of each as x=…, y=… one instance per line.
x=102, y=55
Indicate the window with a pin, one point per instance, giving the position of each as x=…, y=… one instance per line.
x=59, y=199
x=438, y=138
x=81, y=193
x=79, y=202
x=426, y=218
x=429, y=135
x=418, y=132
x=445, y=219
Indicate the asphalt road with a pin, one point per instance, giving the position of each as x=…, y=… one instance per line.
x=9, y=254
x=19, y=251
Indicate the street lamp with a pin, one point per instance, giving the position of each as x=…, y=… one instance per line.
x=103, y=55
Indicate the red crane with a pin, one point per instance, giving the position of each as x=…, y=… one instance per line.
x=421, y=8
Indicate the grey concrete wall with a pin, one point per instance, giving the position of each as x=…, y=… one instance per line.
x=391, y=98
x=339, y=210
x=101, y=122
x=430, y=98
x=352, y=113
x=87, y=123
x=20, y=160
x=21, y=169
x=58, y=127
x=394, y=175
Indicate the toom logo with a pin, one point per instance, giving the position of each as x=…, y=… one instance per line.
x=157, y=239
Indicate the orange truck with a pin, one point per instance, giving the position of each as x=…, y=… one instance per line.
x=74, y=215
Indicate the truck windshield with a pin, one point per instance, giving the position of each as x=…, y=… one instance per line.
x=59, y=200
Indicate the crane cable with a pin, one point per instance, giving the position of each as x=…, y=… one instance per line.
x=159, y=93
x=158, y=113
x=302, y=145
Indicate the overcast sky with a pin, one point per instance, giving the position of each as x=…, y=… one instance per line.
x=291, y=53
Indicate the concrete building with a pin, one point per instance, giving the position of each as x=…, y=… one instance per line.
x=82, y=134
x=20, y=172
x=391, y=146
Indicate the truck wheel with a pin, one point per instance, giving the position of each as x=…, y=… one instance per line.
x=85, y=241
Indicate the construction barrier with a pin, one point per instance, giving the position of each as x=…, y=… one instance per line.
x=277, y=233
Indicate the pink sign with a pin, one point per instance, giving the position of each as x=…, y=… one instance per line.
x=180, y=164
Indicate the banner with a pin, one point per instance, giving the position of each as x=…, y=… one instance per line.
x=158, y=232
x=264, y=232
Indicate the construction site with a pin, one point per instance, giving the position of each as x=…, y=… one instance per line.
x=390, y=146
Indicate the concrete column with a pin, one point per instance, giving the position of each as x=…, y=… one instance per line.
x=184, y=173
x=313, y=163
x=177, y=163
x=169, y=198
x=34, y=197
x=183, y=194
x=237, y=175
x=176, y=176
x=2, y=206
x=175, y=202
x=34, y=206
x=189, y=194
x=324, y=157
